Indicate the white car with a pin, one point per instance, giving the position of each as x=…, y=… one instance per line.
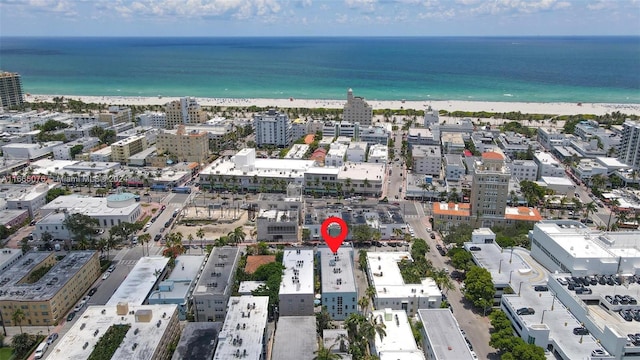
x=78, y=307
x=105, y=276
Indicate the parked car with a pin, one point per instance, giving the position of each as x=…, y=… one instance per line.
x=475, y=248
x=92, y=291
x=580, y=331
x=541, y=288
x=432, y=236
x=562, y=281
x=71, y=316
x=78, y=307
x=157, y=237
x=111, y=268
x=598, y=352
x=525, y=311
x=105, y=276
x=42, y=348
x=52, y=338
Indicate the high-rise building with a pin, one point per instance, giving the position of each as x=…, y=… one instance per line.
x=184, y=111
x=629, y=151
x=490, y=188
x=187, y=146
x=10, y=89
x=123, y=149
x=357, y=110
x=272, y=128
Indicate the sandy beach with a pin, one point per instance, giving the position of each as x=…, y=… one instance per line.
x=500, y=107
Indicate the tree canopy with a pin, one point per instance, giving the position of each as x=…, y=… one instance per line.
x=478, y=287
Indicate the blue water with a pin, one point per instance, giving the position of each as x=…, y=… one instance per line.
x=532, y=69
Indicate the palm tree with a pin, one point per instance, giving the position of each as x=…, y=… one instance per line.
x=397, y=232
x=364, y=304
x=18, y=317
x=83, y=243
x=442, y=279
x=190, y=239
x=200, y=235
x=370, y=292
x=324, y=353
x=237, y=235
x=589, y=209
x=145, y=239
x=614, y=203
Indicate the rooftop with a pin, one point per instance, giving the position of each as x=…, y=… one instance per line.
x=362, y=171
x=337, y=270
x=292, y=327
x=48, y=285
x=388, y=281
x=138, y=284
x=355, y=214
x=522, y=213
x=217, y=272
x=243, y=330
x=141, y=340
x=197, y=341
x=492, y=155
x=255, y=261
x=297, y=276
x=179, y=282
x=87, y=205
x=443, y=331
x=399, y=337
x=461, y=209
x=551, y=180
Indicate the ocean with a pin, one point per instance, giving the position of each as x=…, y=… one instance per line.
x=518, y=69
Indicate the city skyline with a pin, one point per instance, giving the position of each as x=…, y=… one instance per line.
x=319, y=18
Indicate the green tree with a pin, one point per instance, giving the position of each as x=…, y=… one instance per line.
x=200, y=235
x=18, y=317
x=460, y=259
x=54, y=193
x=361, y=233
x=459, y=234
x=478, y=287
x=75, y=150
x=22, y=344
x=145, y=239
x=324, y=353
x=237, y=236
x=323, y=320
x=81, y=227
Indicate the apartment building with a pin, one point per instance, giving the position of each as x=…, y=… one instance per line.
x=277, y=225
x=297, y=286
x=357, y=110
x=156, y=119
x=426, y=160
x=490, y=187
x=548, y=165
x=115, y=115
x=192, y=146
x=339, y=287
x=272, y=128
x=10, y=90
x=357, y=151
x=523, y=169
x=186, y=110
x=629, y=150
x=336, y=155
x=244, y=333
x=212, y=292
x=122, y=150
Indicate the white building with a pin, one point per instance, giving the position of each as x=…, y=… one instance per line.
x=63, y=151
x=293, y=327
x=560, y=185
x=244, y=333
x=524, y=169
x=454, y=168
x=215, y=284
x=110, y=211
x=588, y=168
x=339, y=287
x=140, y=282
x=442, y=338
x=364, y=178
x=422, y=136
x=548, y=165
x=277, y=225
x=378, y=154
x=629, y=150
x=102, y=155
x=152, y=330
x=398, y=343
x=357, y=151
x=549, y=138
x=336, y=155
x=392, y=292
x=483, y=236
x=296, y=288
x=374, y=135
x=156, y=119
x=431, y=116
x=297, y=151
x=28, y=151
x=572, y=247
x=29, y=197
x=299, y=128
x=272, y=128
x=356, y=110
x=426, y=160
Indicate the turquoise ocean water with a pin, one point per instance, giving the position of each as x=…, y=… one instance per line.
x=523, y=69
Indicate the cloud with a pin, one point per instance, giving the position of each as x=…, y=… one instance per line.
x=59, y=7
x=187, y=9
x=366, y=5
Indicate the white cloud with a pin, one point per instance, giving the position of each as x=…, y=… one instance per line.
x=239, y=9
x=368, y=5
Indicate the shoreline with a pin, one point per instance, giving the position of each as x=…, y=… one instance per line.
x=559, y=108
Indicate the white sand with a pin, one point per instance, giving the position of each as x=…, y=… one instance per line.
x=500, y=107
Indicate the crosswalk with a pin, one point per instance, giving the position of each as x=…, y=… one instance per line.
x=128, y=262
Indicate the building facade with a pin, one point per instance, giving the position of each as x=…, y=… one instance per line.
x=122, y=150
x=339, y=287
x=212, y=292
x=192, y=146
x=272, y=128
x=490, y=187
x=296, y=288
x=356, y=110
x=427, y=160
x=629, y=150
x=10, y=90
x=184, y=111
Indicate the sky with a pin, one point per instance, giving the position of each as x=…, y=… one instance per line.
x=318, y=17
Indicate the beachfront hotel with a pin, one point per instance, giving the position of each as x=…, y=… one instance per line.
x=357, y=110
x=629, y=149
x=183, y=111
x=272, y=128
x=10, y=89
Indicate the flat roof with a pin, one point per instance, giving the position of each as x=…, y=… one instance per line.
x=7, y=255
x=460, y=209
x=144, y=153
x=503, y=264
x=25, y=192
x=362, y=171
x=147, y=338
x=443, y=332
x=197, y=341
x=282, y=168
x=48, y=285
x=246, y=287
x=522, y=213
x=337, y=270
x=388, y=280
x=300, y=328
x=88, y=205
x=554, y=180
x=138, y=284
x=297, y=277
x=218, y=271
x=575, y=239
x=243, y=328
x=399, y=337
x=181, y=278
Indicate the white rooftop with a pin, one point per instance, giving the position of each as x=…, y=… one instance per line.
x=87, y=205
x=577, y=241
x=552, y=180
x=282, y=168
x=443, y=332
x=71, y=345
x=140, y=281
x=297, y=277
x=362, y=171
x=388, y=281
x=337, y=270
x=243, y=329
x=399, y=338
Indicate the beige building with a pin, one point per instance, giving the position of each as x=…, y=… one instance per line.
x=490, y=187
x=184, y=111
x=357, y=110
x=122, y=150
x=115, y=115
x=192, y=146
x=46, y=300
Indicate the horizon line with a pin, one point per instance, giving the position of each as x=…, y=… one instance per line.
x=323, y=36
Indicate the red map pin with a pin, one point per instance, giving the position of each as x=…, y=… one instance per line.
x=334, y=242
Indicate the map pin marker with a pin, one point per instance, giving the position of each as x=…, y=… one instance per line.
x=334, y=242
